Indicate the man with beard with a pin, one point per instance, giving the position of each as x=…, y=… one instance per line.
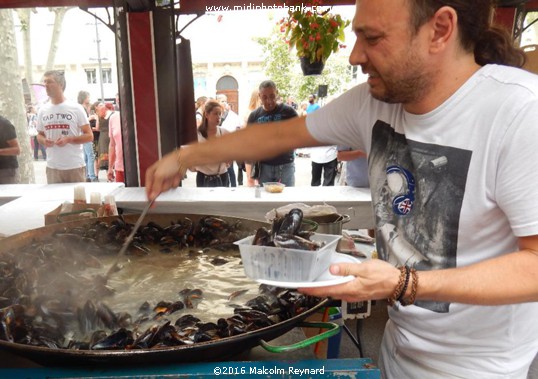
x=447, y=119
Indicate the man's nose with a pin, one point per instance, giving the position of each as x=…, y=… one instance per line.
x=358, y=54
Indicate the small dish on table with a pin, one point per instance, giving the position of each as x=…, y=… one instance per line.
x=274, y=187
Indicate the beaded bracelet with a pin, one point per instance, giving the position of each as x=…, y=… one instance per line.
x=414, y=285
x=398, y=289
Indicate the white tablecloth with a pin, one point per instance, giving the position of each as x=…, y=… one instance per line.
x=27, y=211
x=10, y=192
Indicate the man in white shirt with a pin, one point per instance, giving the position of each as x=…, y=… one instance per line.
x=63, y=127
x=447, y=118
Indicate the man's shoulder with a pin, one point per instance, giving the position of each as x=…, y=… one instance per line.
x=287, y=111
x=256, y=112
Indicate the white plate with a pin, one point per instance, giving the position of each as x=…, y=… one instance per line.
x=324, y=280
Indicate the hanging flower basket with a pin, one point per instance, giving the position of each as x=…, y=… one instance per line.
x=311, y=68
x=315, y=33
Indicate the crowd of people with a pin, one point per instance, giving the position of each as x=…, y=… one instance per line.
x=78, y=140
x=85, y=157
x=266, y=106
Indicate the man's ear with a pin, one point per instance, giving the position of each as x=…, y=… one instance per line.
x=443, y=25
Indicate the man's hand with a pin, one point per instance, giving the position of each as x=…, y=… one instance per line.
x=164, y=175
x=62, y=141
x=374, y=280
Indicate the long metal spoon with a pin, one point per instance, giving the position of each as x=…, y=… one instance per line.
x=129, y=239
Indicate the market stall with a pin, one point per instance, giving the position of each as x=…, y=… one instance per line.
x=242, y=348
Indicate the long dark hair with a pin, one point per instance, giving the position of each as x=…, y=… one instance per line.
x=209, y=106
x=490, y=43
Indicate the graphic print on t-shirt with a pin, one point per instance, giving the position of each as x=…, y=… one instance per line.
x=417, y=202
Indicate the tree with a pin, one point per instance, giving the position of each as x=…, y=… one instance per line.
x=56, y=29
x=11, y=95
x=282, y=66
x=278, y=63
x=25, y=19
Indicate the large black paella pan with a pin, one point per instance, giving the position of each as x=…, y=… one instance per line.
x=180, y=294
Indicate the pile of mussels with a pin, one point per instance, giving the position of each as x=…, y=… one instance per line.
x=287, y=232
x=31, y=312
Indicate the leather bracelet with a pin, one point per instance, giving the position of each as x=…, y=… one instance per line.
x=404, y=289
x=414, y=286
x=398, y=289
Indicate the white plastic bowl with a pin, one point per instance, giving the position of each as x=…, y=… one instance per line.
x=287, y=265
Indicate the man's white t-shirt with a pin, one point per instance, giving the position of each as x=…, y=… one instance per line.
x=61, y=120
x=323, y=154
x=450, y=188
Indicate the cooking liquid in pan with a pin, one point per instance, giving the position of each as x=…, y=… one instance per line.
x=159, y=276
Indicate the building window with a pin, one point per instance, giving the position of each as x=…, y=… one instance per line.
x=107, y=75
x=90, y=76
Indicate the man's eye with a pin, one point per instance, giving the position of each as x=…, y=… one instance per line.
x=371, y=39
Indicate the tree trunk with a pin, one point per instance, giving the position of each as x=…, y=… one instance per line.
x=57, y=28
x=24, y=17
x=11, y=95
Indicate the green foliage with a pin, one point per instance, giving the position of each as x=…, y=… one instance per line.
x=282, y=66
x=278, y=62
x=314, y=34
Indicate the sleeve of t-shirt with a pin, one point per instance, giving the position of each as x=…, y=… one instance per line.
x=10, y=132
x=252, y=117
x=81, y=116
x=39, y=125
x=289, y=112
x=346, y=120
x=516, y=188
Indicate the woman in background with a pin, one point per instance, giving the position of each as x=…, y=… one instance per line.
x=214, y=175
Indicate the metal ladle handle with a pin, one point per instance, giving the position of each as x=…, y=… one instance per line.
x=129, y=239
